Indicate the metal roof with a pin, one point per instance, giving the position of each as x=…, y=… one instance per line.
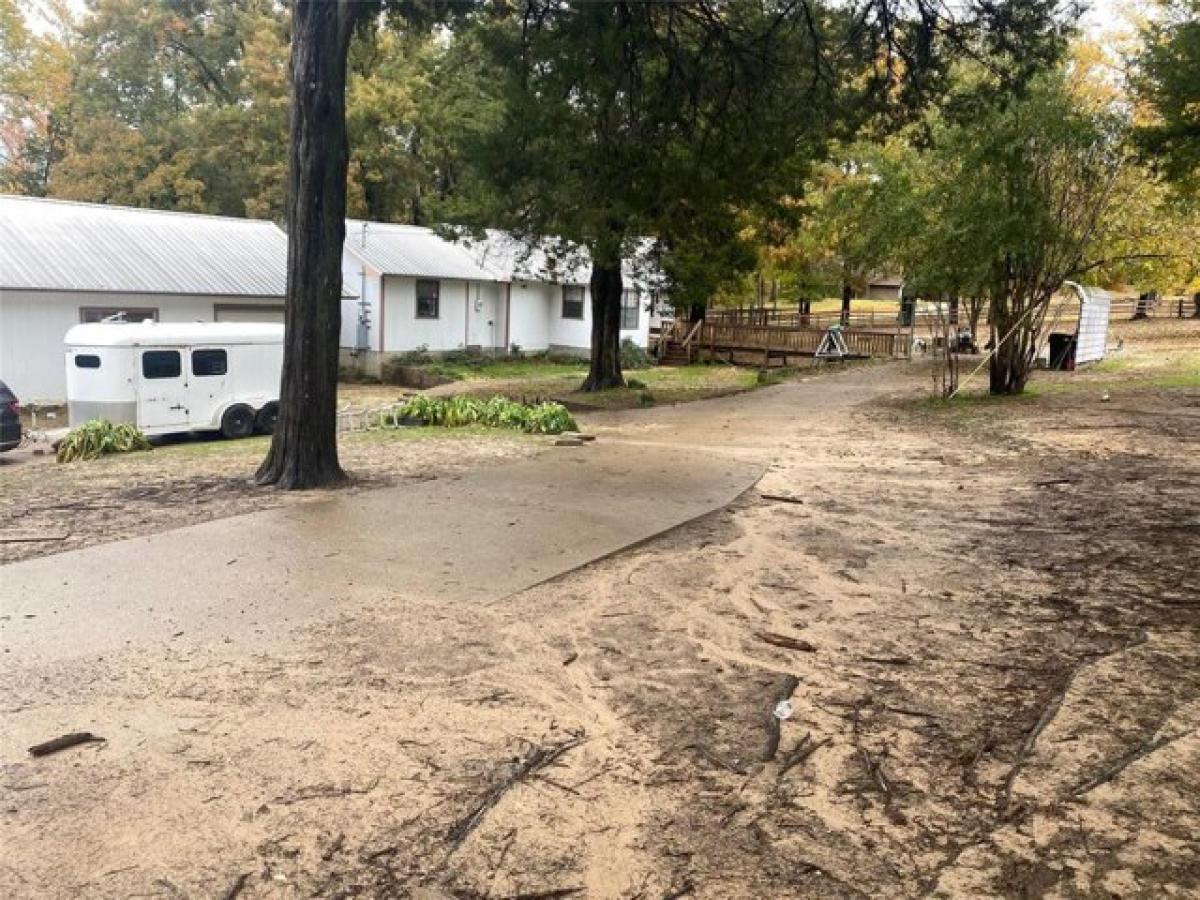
x=62, y=245
x=140, y=334
x=559, y=262
x=411, y=250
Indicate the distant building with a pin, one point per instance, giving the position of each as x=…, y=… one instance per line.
x=885, y=287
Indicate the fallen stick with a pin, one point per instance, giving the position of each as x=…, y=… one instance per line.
x=781, y=498
x=550, y=894
x=325, y=792
x=538, y=759
x=874, y=769
x=32, y=538
x=888, y=660
x=236, y=887
x=787, y=643
x=1123, y=762
x=806, y=748
x=787, y=687
x=715, y=759
x=62, y=743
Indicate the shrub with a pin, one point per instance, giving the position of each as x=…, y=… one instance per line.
x=635, y=384
x=98, y=438
x=497, y=412
x=633, y=356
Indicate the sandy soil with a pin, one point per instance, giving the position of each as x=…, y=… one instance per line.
x=985, y=618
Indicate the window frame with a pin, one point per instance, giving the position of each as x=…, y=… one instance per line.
x=582, y=302
x=437, y=298
x=635, y=307
x=210, y=350
x=92, y=314
x=178, y=364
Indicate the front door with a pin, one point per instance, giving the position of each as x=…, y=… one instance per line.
x=162, y=389
x=484, y=329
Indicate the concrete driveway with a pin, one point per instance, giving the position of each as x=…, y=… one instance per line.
x=248, y=579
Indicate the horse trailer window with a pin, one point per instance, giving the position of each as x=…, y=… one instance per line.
x=209, y=362
x=161, y=364
x=87, y=361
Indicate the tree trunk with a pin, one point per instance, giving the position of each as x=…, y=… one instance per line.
x=1010, y=365
x=303, y=450
x=847, y=296
x=1196, y=301
x=605, y=371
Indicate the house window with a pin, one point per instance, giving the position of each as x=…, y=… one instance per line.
x=572, y=304
x=88, y=314
x=428, y=293
x=209, y=362
x=161, y=364
x=629, y=311
x=87, y=361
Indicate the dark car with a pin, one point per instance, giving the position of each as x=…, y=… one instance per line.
x=10, y=421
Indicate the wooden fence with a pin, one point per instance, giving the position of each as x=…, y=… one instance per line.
x=715, y=338
x=886, y=317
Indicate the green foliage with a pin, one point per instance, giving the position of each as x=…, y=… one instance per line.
x=1167, y=79
x=497, y=412
x=633, y=356
x=99, y=438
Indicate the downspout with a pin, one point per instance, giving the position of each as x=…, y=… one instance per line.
x=507, y=316
x=382, y=307
x=467, y=319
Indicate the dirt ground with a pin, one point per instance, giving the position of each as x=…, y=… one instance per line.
x=985, y=617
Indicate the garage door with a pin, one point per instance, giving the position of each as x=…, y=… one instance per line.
x=248, y=313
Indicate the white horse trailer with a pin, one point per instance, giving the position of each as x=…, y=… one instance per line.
x=168, y=377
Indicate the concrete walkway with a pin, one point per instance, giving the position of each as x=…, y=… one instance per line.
x=472, y=538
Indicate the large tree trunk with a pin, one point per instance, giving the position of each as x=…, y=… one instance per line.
x=847, y=296
x=303, y=450
x=605, y=371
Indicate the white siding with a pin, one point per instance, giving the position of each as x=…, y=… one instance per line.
x=33, y=324
x=576, y=334
x=403, y=331
x=570, y=334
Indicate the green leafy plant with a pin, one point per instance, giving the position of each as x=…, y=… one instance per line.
x=633, y=356
x=496, y=412
x=99, y=438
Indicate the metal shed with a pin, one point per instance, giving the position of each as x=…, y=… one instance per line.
x=1089, y=340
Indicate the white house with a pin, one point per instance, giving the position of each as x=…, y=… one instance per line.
x=65, y=263
x=417, y=290
x=551, y=302
x=494, y=295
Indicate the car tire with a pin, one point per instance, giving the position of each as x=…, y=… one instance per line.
x=265, y=418
x=238, y=422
